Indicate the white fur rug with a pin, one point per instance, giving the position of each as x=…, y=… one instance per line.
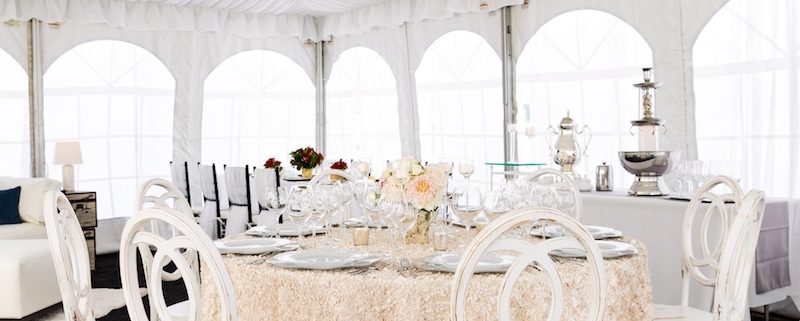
x=103, y=302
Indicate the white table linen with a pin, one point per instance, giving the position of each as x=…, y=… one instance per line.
x=657, y=221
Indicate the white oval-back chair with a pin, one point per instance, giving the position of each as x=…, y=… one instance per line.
x=719, y=197
x=491, y=238
x=188, y=238
x=563, y=183
x=161, y=194
x=68, y=247
x=326, y=174
x=737, y=259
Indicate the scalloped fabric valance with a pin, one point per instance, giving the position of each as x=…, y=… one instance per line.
x=304, y=19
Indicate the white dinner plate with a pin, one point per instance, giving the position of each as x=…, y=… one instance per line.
x=255, y=246
x=597, y=232
x=609, y=249
x=288, y=228
x=324, y=259
x=448, y=262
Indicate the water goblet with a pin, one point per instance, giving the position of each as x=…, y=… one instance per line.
x=468, y=204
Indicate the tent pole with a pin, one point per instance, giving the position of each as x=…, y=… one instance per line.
x=35, y=98
x=319, y=82
x=509, y=91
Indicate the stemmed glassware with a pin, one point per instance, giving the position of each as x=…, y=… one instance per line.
x=367, y=194
x=468, y=203
x=365, y=167
x=298, y=210
x=466, y=168
x=495, y=203
x=276, y=199
x=680, y=176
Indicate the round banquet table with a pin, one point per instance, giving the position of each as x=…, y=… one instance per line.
x=266, y=292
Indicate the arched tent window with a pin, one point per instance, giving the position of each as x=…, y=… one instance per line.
x=460, y=101
x=746, y=89
x=583, y=62
x=14, y=128
x=116, y=99
x=257, y=104
x=361, y=109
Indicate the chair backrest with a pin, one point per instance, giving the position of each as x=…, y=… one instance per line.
x=71, y=259
x=180, y=178
x=566, y=185
x=209, y=183
x=239, y=186
x=737, y=259
x=190, y=238
x=327, y=174
x=160, y=192
x=490, y=239
x=721, y=197
x=265, y=179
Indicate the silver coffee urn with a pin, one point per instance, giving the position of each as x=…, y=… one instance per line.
x=649, y=163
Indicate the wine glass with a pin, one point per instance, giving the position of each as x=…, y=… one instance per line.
x=495, y=203
x=395, y=211
x=468, y=204
x=276, y=200
x=466, y=168
x=365, y=167
x=297, y=211
x=680, y=176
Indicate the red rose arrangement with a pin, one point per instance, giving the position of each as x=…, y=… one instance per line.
x=273, y=163
x=305, y=158
x=340, y=164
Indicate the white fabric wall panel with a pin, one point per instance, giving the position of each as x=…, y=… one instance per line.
x=386, y=43
x=660, y=24
x=15, y=120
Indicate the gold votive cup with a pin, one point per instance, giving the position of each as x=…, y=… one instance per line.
x=361, y=236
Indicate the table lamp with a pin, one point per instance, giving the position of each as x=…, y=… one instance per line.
x=68, y=154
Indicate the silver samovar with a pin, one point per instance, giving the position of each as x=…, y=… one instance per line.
x=650, y=163
x=567, y=150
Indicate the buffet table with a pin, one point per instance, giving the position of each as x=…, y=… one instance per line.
x=265, y=292
x=657, y=222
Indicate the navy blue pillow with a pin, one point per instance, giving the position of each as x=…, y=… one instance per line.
x=9, y=206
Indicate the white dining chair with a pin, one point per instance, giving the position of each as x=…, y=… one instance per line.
x=161, y=194
x=184, y=177
x=188, y=238
x=721, y=197
x=325, y=175
x=563, y=184
x=212, y=219
x=737, y=259
x=71, y=259
x=265, y=179
x=242, y=207
x=490, y=238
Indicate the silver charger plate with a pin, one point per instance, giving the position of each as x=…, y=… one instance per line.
x=597, y=232
x=324, y=259
x=252, y=246
x=609, y=250
x=448, y=262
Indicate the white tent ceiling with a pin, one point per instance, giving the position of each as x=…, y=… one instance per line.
x=300, y=7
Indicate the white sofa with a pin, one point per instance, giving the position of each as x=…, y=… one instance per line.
x=27, y=276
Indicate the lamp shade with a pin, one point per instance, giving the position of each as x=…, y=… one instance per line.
x=67, y=153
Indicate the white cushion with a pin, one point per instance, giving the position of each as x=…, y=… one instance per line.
x=28, y=278
x=23, y=231
x=32, y=196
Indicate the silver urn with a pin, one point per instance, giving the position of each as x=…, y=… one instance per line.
x=570, y=144
x=649, y=167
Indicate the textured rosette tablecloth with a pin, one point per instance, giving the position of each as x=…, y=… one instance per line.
x=265, y=292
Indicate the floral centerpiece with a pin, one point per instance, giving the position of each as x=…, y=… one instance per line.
x=305, y=160
x=423, y=187
x=273, y=163
x=340, y=165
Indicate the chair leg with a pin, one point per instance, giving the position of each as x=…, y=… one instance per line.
x=766, y=312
